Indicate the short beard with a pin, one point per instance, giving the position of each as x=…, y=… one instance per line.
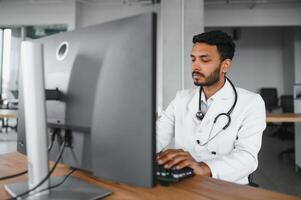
x=212, y=79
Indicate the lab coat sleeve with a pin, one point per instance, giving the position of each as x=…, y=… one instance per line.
x=242, y=161
x=165, y=126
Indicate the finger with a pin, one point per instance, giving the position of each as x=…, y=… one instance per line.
x=168, y=152
x=170, y=156
x=185, y=163
x=175, y=161
x=158, y=155
x=162, y=153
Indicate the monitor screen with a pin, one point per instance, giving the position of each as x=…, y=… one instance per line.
x=100, y=84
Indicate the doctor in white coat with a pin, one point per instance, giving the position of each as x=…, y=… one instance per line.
x=216, y=128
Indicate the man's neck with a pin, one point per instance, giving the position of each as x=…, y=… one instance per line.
x=212, y=89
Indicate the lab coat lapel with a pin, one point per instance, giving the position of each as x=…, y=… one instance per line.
x=222, y=102
x=199, y=126
x=193, y=107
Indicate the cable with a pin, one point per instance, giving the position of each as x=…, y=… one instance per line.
x=24, y=172
x=52, y=138
x=12, y=176
x=46, y=177
x=58, y=184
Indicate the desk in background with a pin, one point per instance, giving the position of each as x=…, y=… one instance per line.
x=290, y=118
x=197, y=187
x=5, y=115
x=283, y=117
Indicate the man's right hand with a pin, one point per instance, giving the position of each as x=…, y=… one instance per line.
x=179, y=159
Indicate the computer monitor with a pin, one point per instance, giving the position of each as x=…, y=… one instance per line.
x=100, y=84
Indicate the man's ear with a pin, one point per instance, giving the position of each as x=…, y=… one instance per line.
x=226, y=64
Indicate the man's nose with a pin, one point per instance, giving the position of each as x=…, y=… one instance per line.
x=196, y=66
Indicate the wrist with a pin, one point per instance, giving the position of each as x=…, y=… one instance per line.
x=203, y=169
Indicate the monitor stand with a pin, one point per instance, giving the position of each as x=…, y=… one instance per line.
x=73, y=188
x=35, y=124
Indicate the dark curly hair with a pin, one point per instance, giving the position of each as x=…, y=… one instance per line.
x=222, y=40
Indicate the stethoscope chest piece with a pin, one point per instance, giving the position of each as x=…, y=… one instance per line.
x=200, y=115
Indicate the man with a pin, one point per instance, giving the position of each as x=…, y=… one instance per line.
x=218, y=135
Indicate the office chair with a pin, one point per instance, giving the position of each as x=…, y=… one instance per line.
x=1, y=107
x=270, y=98
x=251, y=182
x=287, y=129
x=15, y=93
x=287, y=103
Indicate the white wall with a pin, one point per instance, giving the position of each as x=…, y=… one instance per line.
x=18, y=13
x=1, y=57
x=297, y=48
x=14, y=60
x=231, y=15
x=89, y=14
x=288, y=61
x=274, y=49
x=258, y=60
x=178, y=21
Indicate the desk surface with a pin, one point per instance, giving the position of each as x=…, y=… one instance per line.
x=283, y=117
x=197, y=187
x=8, y=113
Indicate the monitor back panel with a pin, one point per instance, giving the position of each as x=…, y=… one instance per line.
x=107, y=80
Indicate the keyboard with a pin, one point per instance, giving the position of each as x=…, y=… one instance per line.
x=173, y=175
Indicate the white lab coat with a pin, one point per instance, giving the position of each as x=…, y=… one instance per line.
x=232, y=154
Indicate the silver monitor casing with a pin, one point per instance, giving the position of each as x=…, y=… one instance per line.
x=108, y=85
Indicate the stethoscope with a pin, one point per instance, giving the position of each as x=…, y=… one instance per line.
x=200, y=115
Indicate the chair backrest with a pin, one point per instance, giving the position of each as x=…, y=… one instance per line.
x=15, y=93
x=270, y=96
x=287, y=103
x=1, y=100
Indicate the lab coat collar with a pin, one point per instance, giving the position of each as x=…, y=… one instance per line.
x=224, y=93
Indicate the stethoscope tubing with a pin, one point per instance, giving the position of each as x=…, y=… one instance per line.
x=221, y=114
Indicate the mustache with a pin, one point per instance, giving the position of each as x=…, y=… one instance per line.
x=197, y=73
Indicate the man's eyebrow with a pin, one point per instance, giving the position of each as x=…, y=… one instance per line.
x=201, y=56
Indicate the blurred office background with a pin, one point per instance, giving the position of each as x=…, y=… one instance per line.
x=267, y=34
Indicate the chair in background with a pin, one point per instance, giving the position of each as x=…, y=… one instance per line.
x=286, y=132
x=270, y=97
x=1, y=106
x=15, y=93
x=12, y=103
x=287, y=103
x=1, y=102
x=8, y=104
x=251, y=182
